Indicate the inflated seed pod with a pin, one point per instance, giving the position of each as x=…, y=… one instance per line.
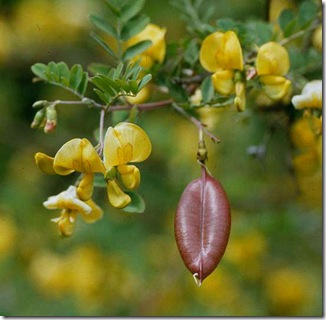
x=202, y=225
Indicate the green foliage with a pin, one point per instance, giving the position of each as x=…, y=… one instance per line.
x=207, y=90
x=136, y=49
x=74, y=80
x=119, y=81
x=137, y=204
x=258, y=32
x=124, y=22
x=291, y=22
x=197, y=14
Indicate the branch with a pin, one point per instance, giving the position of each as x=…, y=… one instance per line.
x=196, y=122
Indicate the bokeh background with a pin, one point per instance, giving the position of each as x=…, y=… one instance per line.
x=129, y=265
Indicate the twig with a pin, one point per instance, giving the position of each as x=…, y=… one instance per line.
x=196, y=122
x=292, y=37
x=143, y=106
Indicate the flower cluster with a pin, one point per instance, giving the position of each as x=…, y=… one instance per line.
x=221, y=53
x=125, y=143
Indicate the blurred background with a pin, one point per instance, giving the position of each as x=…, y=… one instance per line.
x=129, y=265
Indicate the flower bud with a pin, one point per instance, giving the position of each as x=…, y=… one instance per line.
x=51, y=119
x=40, y=103
x=39, y=118
x=240, y=99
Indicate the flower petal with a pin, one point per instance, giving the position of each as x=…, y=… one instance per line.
x=228, y=52
x=129, y=176
x=117, y=197
x=275, y=87
x=124, y=143
x=207, y=51
x=156, y=52
x=272, y=59
x=240, y=99
x=223, y=81
x=94, y=215
x=85, y=187
x=311, y=96
x=44, y=163
x=66, y=223
x=77, y=155
x=67, y=200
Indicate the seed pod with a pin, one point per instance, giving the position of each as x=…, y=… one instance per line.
x=202, y=225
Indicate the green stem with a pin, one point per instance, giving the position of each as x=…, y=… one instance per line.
x=196, y=122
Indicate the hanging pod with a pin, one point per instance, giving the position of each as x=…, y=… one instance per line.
x=202, y=225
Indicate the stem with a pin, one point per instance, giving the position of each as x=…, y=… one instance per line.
x=101, y=128
x=196, y=122
x=292, y=37
x=87, y=101
x=143, y=106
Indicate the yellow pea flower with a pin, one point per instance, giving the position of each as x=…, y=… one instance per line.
x=75, y=155
x=156, y=52
x=123, y=144
x=311, y=96
x=71, y=206
x=272, y=64
x=221, y=53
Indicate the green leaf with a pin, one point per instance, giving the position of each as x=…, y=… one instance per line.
x=129, y=10
x=103, y=84
x=52, y=72
x=132, y=70
x=103, y=44
x=83, y=85
x=134, y=26
x=104, y=25
x=63, y=72
x=136, y=49
x=261, y=32
x=207, y=90
x=104, y=97
x=133, y=86
x=191, y=52
x=123, y=84
x=285, y=18
x=137, y=204
x=114, y=8
x=39, y=69
x=144, y=81
x=99, y=68
x=75, y=77
x=118, y=70
x=113, y=83
x=307, y=12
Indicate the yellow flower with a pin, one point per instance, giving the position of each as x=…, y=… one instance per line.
x=221, y=53
x=311, y=96
x=75, y=155
x=272, y=64
x=71, y=206
x=156, y=52
x=123, y=144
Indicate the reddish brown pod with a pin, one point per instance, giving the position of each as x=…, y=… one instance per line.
x=202, y=225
